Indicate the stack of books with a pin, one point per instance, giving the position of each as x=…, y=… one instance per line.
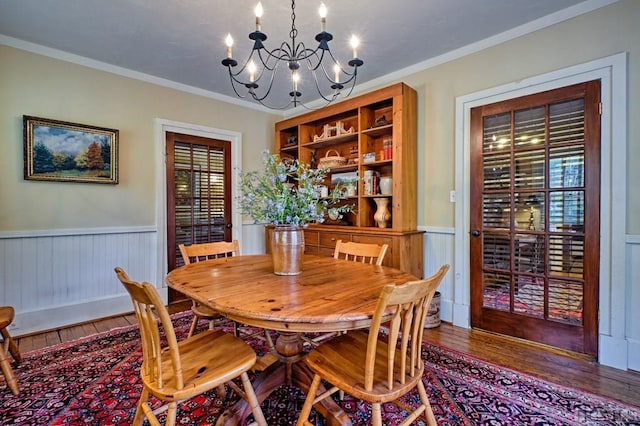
x=371, y=182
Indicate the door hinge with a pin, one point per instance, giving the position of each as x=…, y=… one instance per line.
x=600, y=108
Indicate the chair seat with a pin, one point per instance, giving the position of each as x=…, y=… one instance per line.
x=6, y=316
x=341, y=361
x=227, y=357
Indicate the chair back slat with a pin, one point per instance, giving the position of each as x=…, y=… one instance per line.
x=409, y=304
x=206, y=251
x=151, y=313
x=360, y=252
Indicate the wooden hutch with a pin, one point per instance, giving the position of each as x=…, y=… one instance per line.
x=376, y=133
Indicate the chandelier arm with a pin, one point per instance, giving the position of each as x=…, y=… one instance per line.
x=343, y=69
x=233, y=86
x=322, y=65
x=253, y=95
x=266, y=91
x=309, y=55
x=335, y=92
x=282, y=53
x=242, y=68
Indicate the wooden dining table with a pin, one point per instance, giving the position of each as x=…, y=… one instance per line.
x=329, y=295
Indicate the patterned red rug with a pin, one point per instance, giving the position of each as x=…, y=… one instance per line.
x=95, y=381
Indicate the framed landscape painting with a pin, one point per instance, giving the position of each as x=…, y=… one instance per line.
x=69, y=152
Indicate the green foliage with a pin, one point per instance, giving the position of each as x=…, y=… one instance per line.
x=105, y=151
x=42, y=159
x=286, y=192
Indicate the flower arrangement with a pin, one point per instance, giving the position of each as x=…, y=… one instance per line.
x=287, y=192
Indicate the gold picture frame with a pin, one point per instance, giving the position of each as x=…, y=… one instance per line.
x=69, y=152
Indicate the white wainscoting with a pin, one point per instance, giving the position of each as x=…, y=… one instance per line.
x=252, y=241
x=56, y=278
x=438, y=250
x=62, y=277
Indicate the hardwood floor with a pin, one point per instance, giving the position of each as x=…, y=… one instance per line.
x=544, y=362
x=40, y=340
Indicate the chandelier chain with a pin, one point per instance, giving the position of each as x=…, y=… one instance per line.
x=294, y=31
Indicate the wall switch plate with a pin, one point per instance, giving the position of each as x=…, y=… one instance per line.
x=452, y=196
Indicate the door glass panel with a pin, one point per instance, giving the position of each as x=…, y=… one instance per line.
x=530, y=211
x=529, y=296
x=529, y=253
x=496, y=132
x=530, y=169
x=566, y=210
x=496, y=292
x=497, y=251
x=529, y=128
x=566, y=122
x=496, y=210
x=496, y=170
x=566, y=167
x=565, y=301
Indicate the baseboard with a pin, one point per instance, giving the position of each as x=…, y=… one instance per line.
x=613, y=352
x=461, y=316
x=446, y=310
x=62, y=316
x=633, y=354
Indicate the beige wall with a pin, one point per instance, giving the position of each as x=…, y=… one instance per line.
x=36, y=85
x=598, y=34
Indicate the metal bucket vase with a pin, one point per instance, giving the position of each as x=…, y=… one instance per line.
x=287, y=249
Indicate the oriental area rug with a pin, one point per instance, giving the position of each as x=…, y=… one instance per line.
x=95, y=381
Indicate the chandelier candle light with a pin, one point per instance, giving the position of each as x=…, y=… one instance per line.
x=317, y=62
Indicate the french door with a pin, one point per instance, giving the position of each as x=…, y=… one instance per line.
x=198, y=194
x=535, y=217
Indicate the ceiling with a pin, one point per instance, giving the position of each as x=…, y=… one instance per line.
x=182, y=41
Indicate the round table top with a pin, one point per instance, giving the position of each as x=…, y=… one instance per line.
x=329, y=295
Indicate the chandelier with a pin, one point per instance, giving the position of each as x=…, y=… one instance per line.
x=257, y=76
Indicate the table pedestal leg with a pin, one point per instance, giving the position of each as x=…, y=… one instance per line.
x=290, y=369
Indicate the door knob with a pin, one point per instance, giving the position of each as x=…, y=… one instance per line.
x=475, y=233
x=228, y=225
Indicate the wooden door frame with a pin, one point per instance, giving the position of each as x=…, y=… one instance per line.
x=611, y=71
x=163, y=126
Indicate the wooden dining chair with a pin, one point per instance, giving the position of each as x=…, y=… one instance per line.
x=185, y=369
x=377, y=367
x=8, y=346
x=206, y=251
x=209, y=251
x=356, y=252
x=360, y=252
